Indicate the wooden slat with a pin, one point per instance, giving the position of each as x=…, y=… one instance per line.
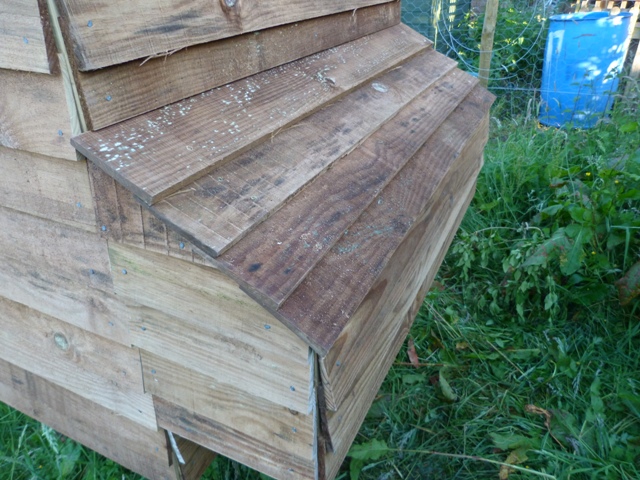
x=284, y=430
x=115, y=32
x=156, y=154
x=135, y=87
x=90, y=366
x=196, y=459
x=275, y=257
x=105, y=431
x=357, y=346
x=60, y=271
x=233, y=444
x=202, y=320
x=322, y=305
x=220, y=208
x=26, y=42
x=47, y=187
x=343, y=425
x=34, y=114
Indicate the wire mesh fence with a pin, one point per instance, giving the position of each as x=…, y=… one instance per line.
x=518, y=47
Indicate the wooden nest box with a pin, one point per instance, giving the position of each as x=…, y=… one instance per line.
x=270, y=189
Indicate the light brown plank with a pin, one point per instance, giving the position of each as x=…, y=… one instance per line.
x=105, y=431
x=34, y=114
x=26, y=41
x=276, y=256
x=196, y=459
x=233, y=444
x=110, y=33
x=357, y=346
x=135, y=87
x=62, y=272
x=47, y=187
x=156, y=154
x=200, y=319
x=90, y=366
x=288, y=431
x=220, y=208
x=320, y=308
x=343, y=425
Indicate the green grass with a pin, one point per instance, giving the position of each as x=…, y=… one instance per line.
x=528, y=344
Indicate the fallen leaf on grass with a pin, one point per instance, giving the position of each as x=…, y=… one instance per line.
x=516, y=457
x=629, y=285
x=547, y=419
x=411, y=351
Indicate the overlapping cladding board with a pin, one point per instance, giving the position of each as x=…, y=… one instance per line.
x=143, y=28
x=156, y=154
x=26, y=41
x=35, y=114
x=124, y=91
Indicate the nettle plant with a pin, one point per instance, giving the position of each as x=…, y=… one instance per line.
x=563, y=236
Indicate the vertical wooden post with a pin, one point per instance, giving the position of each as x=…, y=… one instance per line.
x=486, y=44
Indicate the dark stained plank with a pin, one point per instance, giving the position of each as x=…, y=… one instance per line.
x=109, y=33
x=26, y=40
x=325, y=301
x=158, y=153
x=219, y=209
x=135, y=87
x=275, y=257
x=140, y=449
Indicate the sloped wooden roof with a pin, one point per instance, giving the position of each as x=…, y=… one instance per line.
x=303, y=180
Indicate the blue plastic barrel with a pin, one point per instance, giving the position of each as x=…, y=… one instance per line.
x=583, y=59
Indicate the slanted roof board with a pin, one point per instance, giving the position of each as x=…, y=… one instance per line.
x=156, y=154
x=244, y=192
x=109, y=33
x=109, y=96
x=276, y=256
x=325, y=301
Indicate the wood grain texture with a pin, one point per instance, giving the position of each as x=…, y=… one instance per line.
x=60, y=271
x=47, y=187
x=276, y=256
x=90, y=366
x=115, y=32
x=200, y=319
x=344, y=424
x=135, y=87
x=196, y=459
x=288, y=431
x=233, y=444
x=354, y=351
x=320, y=308
x=26, y=41
x=158, y=153
x=219, y=209
x=34, y=114
x=128, y=443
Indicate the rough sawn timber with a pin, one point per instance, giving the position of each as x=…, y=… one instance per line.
x=233, y=199
x=124, y=91
x=142, y=28
x=158, y=153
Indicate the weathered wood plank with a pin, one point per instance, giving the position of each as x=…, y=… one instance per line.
x=95, y=368
x=34, y=114
x=142, y=28
x=156, y=154
x=135, y=87
x=196, y=459
x=288, y=431
x=60, y=271
x=105, y=431
x=47, y=187
x=26, y=41
x=200, y=319
x=366, y=248
x=343, y=425
x=237, y=196
x=275, y=257
x=233, y=444
x=354, y=350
